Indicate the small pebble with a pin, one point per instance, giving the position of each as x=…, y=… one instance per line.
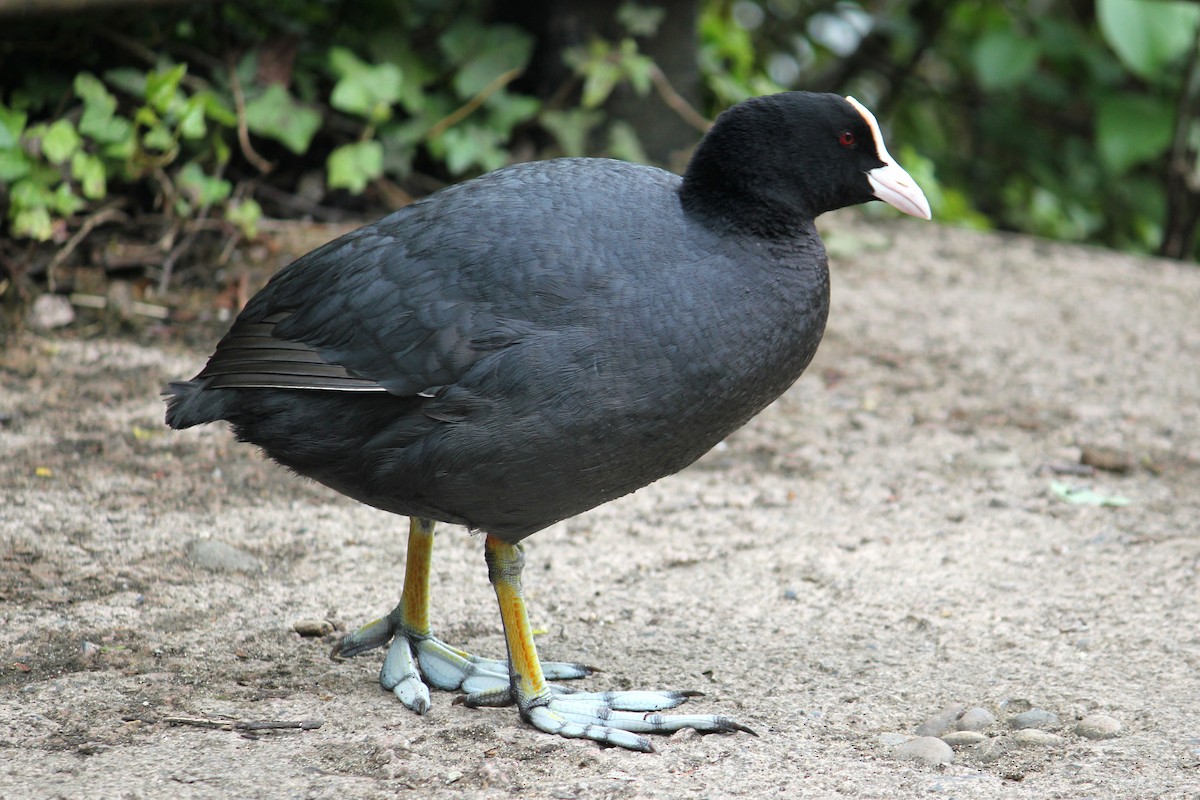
x=1098, y=726
x=1032, y=737
x=964, y=738
x=925, y=749
x=217, y=556
x=89, y=650
x=50, y=311
x=975, y=719
x=940, y=722
x=1033, y=718
x=312, y=627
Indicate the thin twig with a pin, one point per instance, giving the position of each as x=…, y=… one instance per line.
x=458, y=115
x=109, y=213
x=676, y=101
x=243, y=129
x=245, y=725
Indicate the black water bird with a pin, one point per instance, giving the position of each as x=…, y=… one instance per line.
x=522, y=347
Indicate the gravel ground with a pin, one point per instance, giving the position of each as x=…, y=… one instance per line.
x=960, y=557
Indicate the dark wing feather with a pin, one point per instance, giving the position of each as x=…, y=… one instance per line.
x=413, y=302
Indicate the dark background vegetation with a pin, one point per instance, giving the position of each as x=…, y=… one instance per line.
x=149, y=144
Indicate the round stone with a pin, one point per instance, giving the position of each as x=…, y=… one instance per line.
x=1098, y=726
x=925, y=750
x=975, y=719
x=1034, y=718
x=1032, y=737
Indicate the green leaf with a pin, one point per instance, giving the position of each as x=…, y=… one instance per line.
x=88, y=169
x=12, y=125
x=640, y=20
x=14, y=164
x=201, y=188
x=65, y=202
x=162, y=85
x=353, y=166
x=60, y=141
x=484, y=53
x=1131, y=129
x=191, y=123
x=1085, y=496
x=1004, y=59
x=245, y=215
x=276, y=115
x=571, y=128
x=599, y=82
x=623, y=143
x=33, y=223
x=363, y=89
x=469, y=145
x=1148, y=36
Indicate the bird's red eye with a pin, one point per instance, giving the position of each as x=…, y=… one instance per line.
x=846, y=139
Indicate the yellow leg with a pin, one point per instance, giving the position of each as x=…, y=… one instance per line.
x=505, y=562
x=414, y=600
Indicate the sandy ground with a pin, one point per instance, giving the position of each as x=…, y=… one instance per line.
x=883, y=541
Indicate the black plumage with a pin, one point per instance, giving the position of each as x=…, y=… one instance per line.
x=519, y=348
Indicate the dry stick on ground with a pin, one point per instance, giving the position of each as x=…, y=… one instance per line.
x=109, y=213
x=244, y=725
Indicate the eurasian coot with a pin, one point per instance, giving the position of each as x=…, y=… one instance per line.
x=522, y=347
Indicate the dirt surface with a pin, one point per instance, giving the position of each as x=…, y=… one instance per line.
x=882, y=542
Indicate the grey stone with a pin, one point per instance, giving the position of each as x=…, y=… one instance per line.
x=1033, y=718
x=941, y=722
x=1098, y=726
x=1032, y=737
x=926, y=750
x=975, y=719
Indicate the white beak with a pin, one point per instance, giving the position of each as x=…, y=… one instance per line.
x=896, y=187
x=891, y=183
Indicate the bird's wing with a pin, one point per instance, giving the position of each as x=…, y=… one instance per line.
x=384, y=308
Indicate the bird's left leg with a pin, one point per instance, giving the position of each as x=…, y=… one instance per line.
x=414, y=652
x=614, y=718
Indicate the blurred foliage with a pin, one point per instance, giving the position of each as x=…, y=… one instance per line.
x=1052, y=117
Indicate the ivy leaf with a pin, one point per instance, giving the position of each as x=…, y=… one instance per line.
x=276, y=115
x=571, y=128
x=1003, y=59
x=201, y=188
x=33, y=223
x=60, y=142
x=245, y=215
x=364, y=89
x=88, y=169
x=1148, y=36
x=468, y=145
x=483, y=53
x=353, y=166
x=162, y=86
x=12, y=125
x=1131, y=129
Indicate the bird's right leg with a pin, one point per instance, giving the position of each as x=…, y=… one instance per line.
x=415, y=653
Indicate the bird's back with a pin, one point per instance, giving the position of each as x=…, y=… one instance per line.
x=516, y=349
